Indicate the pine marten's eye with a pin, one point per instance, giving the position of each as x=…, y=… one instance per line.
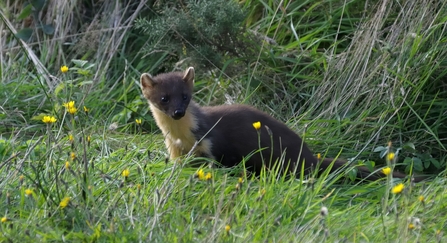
x=185, y=97
x=165, y=99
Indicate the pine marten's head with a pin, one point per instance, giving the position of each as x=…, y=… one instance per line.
x=169, y=92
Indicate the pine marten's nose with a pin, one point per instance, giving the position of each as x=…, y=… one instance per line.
x=178, y=114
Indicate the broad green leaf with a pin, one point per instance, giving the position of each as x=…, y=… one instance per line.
x=38, y=4
x=26, y=11
x=370, y=165
x=380, y=149
x=409, y=146
x=48, y=29
x=91, y=65
x=352, y=174
x=25, y=34
x=58, y=88
x=84, y=72
x=85, y=83
x=435, y=163
x=79, y=63
x=414, y=162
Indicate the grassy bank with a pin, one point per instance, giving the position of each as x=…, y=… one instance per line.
x=347, y=76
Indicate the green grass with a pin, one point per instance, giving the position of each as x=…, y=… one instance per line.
x=349, y=76
x=167, y=202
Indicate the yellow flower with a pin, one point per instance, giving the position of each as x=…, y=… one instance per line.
x=257, y=125
x=70, y=138
x=86, y=110
x=200, y=174
x=240, y=180
x=125, y=173
x=72, y=110
x=411, y=226
x=398, y=188
x=49, y=119
x=421, y=199
x=28, y=192
x=64, y=69
x=67, y=165
x=73, y=155
x=4, y=219
x=318, y=156
x=64, y=203
x=70, y=106
x=21, y=177
x=390, y=156
x=208, y=176
x=138, y=121
x=227, y=228
x=386, y=170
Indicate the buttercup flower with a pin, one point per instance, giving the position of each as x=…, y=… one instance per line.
x=70, y=107
x=200, y=174
x=390, y=156
x=208, y=176
x=4, y=219
x=64, y=69
x=386, y=170
x=69, y=104
x=49, y=119
x=72, y=110
x=398, y=188
x=125, y=173
x=227, y=228
x=138, y=121
x=64, y=203
x=421, y=199
x=28, y=192
x=257, y=125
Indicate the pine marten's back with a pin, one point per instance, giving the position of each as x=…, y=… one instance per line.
x=234, y=137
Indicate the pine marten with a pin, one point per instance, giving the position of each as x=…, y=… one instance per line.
x=226, y=133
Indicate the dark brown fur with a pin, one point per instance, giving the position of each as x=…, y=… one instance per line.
x=226, y=132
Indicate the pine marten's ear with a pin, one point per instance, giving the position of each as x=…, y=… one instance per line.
x=146, y=81
x=189, y=75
